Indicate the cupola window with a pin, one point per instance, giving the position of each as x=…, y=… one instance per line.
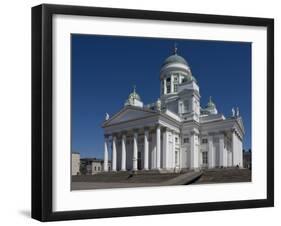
x=204, y=141
x=186, y=106
x=175, y=87
x=168, y=83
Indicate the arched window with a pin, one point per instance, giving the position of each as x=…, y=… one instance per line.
x=186, y=106
x=168, y=84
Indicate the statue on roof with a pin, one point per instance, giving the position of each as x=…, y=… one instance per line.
x=106, y=116
x=237, y=112
x=233, y=112
x=158, y=104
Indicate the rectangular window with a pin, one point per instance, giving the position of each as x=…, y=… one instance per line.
x=176, y=157
x=176, y=139
x=175, y=87
x=186, y=140
x=205, y=157
x=204, y=141
x=186, y=106
x=168, y=88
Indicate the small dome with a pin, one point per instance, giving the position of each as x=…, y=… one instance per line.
x=134, y=99
x=210, y=108
x=134, y=95
x=210, y=104
x=175, y=59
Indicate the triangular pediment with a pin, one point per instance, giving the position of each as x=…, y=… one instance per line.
x=129, y=113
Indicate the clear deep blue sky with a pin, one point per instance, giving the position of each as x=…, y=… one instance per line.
x=105, y=68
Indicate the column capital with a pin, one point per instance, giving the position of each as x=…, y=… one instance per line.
x=124, y=136
x=211, y=134
x=106, y=136
x=114, y=134
x=221, y=134
x=135, y=131
x=157, y=125
x=146, y=128
x=210, y=138
x=124, y=132
x=194, y=133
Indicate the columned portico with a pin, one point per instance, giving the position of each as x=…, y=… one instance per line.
x=126, y=143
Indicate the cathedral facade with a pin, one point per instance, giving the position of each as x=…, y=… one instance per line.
x=175, y=133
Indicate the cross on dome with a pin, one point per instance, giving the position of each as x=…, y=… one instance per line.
x=175, y=48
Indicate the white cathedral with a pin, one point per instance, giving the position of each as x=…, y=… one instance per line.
x=175, y=133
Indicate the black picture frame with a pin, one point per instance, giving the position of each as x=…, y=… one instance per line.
x=42, y=107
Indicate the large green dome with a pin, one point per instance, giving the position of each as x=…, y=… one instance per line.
x=175, y=59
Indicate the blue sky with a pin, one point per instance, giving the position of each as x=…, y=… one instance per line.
x=105, y=69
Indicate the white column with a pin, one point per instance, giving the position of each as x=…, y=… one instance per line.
x=123, y=158
x=234, y=148
x=114, y=155
x=105, y=158
x=158, y=147
x=146, y=135
x=237, y=150
x=153, y=151
x=165, y=86
x=135, y=152
x=194, y=152
x=172, y=83
x=211, y=159
x=222, y=151
x=165, y=149
x=173, y=150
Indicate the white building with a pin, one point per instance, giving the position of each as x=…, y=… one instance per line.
x=75, y=163
x=174, y=133
x=90, y=166
x=98, y=165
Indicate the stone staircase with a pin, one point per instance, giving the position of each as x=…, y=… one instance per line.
x=152, y=176
x=225, y=175
x=126, y=177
